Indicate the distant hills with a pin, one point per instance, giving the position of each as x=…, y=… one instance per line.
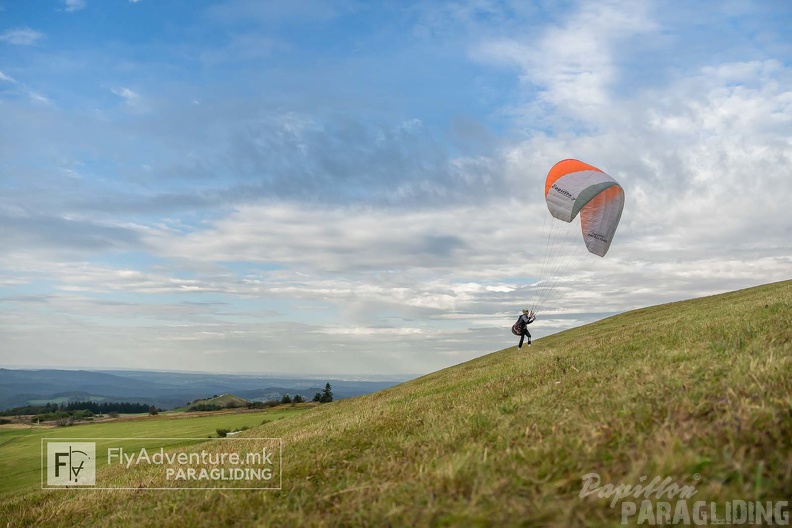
x=165, y=390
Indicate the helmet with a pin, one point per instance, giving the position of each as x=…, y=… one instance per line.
x=527, y=310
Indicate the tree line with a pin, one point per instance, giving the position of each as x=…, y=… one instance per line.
x=85, y=409
x=326, y=396
x=70, y=407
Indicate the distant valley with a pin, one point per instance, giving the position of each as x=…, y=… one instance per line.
x=165, y=390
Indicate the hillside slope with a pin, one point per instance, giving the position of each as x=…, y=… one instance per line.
x=697, y=391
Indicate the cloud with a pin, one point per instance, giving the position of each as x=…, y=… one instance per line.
x=130, y=97
x=324, y=237
x=39, y=98
x=73, y=5
x=23, y=36
x=571, y=68
x=335, y=157
x=33, y=232
x=687, y=151
x=22, y=89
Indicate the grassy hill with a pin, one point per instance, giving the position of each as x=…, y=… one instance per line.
x=223, y=401
x=697, y=391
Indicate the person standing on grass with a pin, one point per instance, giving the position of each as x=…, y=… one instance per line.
x=520, y=328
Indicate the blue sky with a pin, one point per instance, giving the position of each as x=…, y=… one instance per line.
x=350, y=187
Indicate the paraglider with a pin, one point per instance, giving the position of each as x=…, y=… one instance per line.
x=574, y=187
x=582, y=200
x=520, y=328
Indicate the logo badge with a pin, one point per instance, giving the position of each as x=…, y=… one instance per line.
x=71, y=463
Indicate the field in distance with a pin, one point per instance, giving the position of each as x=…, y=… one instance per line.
x=20, y=445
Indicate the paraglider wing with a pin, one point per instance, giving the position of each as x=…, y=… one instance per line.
x=573, y=187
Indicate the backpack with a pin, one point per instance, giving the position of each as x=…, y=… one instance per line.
x=518, y=327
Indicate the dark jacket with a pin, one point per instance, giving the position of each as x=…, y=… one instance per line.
x=519, y=327
x=525, y=320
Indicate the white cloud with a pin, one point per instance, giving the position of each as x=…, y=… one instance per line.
x=73, y=5
x=7, y=78
x=130, y=97
x=696, y=162
x=23, y=36
x=39, y=98
x=572, y=62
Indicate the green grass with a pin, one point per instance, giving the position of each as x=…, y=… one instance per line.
x=698, y=391
x=20, y=448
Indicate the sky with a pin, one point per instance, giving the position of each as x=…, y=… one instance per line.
x=356, y=188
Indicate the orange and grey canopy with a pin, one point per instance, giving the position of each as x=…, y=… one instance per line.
x=574, y=187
